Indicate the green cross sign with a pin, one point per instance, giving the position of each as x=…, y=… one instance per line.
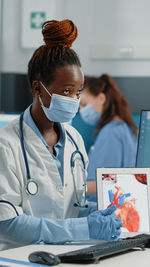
x=37, y=19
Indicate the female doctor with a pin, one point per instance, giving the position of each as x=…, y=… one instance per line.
x=43, y=160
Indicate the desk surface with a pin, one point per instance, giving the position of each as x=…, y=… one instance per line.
x=135, y=258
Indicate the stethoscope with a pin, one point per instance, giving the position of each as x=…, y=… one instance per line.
x=32, y=185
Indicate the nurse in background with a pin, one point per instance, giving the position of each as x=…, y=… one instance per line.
x=102, y=105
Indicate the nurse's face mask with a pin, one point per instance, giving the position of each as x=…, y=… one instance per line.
x=90, y=116
x=61, y=108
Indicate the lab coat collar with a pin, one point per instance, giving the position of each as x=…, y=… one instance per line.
x=29, y=121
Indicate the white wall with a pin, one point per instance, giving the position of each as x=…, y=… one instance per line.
x=111, y=21
x=99, y=22
x=15, y=57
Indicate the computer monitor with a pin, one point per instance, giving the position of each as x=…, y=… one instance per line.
x=143, y=148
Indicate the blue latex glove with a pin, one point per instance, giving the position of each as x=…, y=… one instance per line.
x=104, y=225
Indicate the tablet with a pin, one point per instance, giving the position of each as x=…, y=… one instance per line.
x=129, y=189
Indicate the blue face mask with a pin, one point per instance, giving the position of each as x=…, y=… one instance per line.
x=61, y=109
x=90, y=116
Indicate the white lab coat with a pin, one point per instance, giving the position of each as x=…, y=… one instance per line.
x=53, y=200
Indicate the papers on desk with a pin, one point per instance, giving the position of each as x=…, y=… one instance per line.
x=4, y=262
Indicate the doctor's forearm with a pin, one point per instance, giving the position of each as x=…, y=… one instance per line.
x=25, y=229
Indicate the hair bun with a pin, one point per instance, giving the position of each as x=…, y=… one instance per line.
x=59, y=33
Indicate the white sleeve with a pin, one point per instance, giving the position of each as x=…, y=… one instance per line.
x=10, y=188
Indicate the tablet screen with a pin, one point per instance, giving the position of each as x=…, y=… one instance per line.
x=130, y=193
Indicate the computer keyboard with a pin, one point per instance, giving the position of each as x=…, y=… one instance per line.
x=97, y=251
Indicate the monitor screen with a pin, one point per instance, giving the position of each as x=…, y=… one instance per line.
x=143, y=149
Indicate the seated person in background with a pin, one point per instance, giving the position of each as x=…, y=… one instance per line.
x=103, y=105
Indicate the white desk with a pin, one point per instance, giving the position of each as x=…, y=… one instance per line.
x=134, y=258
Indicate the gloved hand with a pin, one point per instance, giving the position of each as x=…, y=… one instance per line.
x=104, y=225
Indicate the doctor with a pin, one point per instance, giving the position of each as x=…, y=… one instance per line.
x=43, y=160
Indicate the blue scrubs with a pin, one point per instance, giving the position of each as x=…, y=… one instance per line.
x=115, y=146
